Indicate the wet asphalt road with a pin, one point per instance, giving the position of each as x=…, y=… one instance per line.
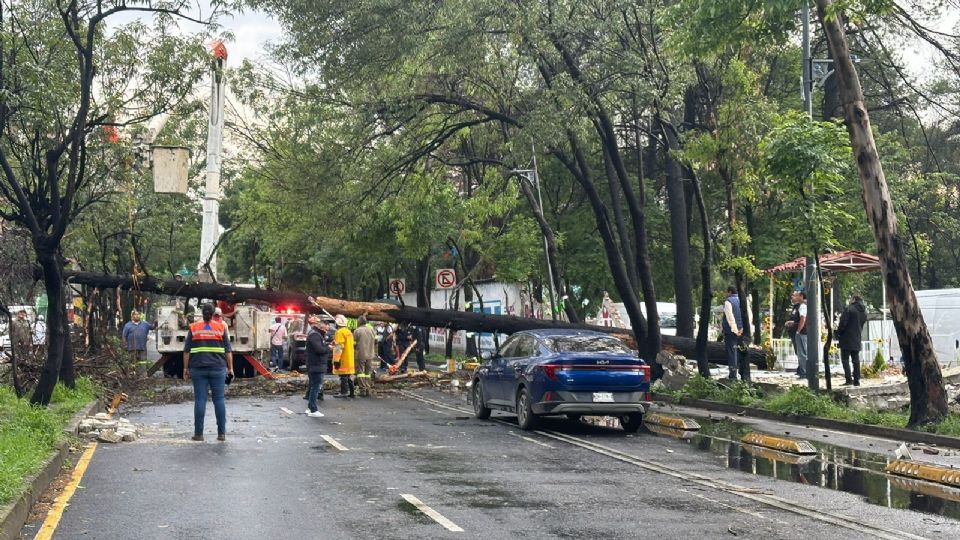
x=277, y=477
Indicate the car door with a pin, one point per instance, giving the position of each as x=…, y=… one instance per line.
x=521, y=355
x=496, y=390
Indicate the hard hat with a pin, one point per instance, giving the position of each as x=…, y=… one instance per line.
x=340, y=320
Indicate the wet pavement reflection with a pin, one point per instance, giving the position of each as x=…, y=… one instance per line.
x=833, y=467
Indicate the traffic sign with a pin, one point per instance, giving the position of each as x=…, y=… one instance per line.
x=398, y=286
x=446, y=278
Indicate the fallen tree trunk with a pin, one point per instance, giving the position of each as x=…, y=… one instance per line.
x=379, y=311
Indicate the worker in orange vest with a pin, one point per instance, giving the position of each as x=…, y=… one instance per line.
x=208, y=361
x=343, y=355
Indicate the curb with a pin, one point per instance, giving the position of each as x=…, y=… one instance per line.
x=882, y=432
x=14, y=515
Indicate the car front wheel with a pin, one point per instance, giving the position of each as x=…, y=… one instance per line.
x=631, y=423
x=480, y=409
x=525, y=417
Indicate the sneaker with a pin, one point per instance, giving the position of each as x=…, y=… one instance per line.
x=198, y=438
x=308, y=411
x=316, y=414
x=221, y=437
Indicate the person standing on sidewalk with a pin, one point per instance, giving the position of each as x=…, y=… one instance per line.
x=365, y=340
x=318, y=356
x=732, y=330
x=849, y=335
x=343, y=355
x=278, y=336
x=135, y=341
x=208, y=362
x=797, y=326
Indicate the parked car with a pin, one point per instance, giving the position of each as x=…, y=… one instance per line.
x=563, y=372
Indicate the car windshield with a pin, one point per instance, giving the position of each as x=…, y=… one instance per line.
x=587, y=344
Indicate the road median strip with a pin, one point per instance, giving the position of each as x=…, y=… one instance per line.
x=925, y=471
x=782, y=444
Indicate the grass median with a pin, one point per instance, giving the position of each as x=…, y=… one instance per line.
x=800, y=401
x=29, y=434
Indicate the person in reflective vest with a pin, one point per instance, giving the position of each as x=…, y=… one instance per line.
x=208, y=361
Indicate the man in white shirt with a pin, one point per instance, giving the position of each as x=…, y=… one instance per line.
x=797, y=329
x=732, y=332
x=278, y=336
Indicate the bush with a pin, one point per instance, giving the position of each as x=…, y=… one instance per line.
x=801, y=401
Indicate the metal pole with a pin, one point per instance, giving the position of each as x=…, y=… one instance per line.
x=546, y=247
x=210, y=229
x=807, y=75
x=884, y=344
x=813, y=325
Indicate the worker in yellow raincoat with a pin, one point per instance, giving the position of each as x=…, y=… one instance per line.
x=343, y=357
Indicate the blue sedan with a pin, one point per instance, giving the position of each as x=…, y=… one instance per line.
x=563, y=372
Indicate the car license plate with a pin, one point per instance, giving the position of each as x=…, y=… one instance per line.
x=603, y=397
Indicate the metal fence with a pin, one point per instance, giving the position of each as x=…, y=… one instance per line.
x=786, y=358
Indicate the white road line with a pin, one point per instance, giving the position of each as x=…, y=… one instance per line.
x=286, y=410
x=330, y=440
x=431, y=513
x=438, y=412
x=528, y=439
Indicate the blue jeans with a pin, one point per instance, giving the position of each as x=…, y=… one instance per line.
x=316, y=382
x=276, y=356
x=216, y=379
x=730, y=348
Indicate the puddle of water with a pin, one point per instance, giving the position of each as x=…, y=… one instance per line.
x=833, y=467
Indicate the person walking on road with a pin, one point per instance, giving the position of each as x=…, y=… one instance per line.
x=208, y=362
x=365, y=341
x=343, y=356
x=135, y=341
x=278, y=336
x=849, y=335
x=318, y=356
x=797, y=327
x=422, y=336
x=732, y=331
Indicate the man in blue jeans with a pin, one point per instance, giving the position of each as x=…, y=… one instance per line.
x=208, y=361
x=319, y=355
x=732, y=331
x=278, y=336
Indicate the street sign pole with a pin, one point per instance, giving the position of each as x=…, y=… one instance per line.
x=813, y=325
x=546, y=247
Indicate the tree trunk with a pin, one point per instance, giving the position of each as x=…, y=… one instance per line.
x=422, y=281
x=679, y=236
x=928, y=400
x=53, y=283
x=706, y=294
x=375, y=311
x=626, y=244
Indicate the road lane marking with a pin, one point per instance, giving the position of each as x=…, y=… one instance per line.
x=56, y=512
x=838, y=520
x=528, y=439
x=431, y=513
x=333, y=442
x=286, y=410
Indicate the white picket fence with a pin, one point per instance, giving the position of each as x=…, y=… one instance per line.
x=787, y=358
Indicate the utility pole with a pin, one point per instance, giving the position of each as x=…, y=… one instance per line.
x=807, y=80
x=546, y=247
x=812, y=281
x=210, y=231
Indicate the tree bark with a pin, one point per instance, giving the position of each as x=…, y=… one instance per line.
x=706, y=294
x=53, y=283
x=928, y=400
x=679, y=235
x=376, y=311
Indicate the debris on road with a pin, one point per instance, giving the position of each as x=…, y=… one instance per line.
x=106, y=429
